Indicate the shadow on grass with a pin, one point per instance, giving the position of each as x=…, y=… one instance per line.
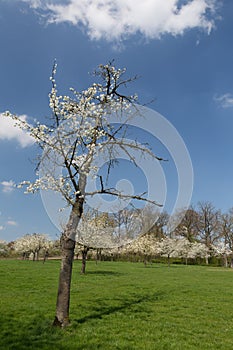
x=103, y=310
x=104, y=273
x=35, y=333
x=23, y=333
x=159, y=266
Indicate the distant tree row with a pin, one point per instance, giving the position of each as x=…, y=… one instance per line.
x=30, y=246
x=197, y=234
x=200, y=233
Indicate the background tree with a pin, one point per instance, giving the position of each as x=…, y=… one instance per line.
x=32, y=244
x=222, y=250
x=168, y=247
x=94, y=232
x=144, y=247
x=188, y=227
x=159, y=227
x=77, y=134
x=183, y=247
x=226, y=233
x=198, y=250
x=4, y=248
x=150, y=220
x=208, y=224
x=22, y=246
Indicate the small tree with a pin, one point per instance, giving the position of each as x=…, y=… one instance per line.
x=221, y=249
x=31, y=244
x=183, y=248
x=169, y=248
x=78, y=133
x=198, y=250
x=226, y=232
x=145, y=246
x=22, y=246
x=4, y=249
x=94, y=232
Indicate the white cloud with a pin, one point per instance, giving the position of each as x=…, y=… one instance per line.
x=117, y=19
x=34, y=3
x=8, y=186
x=12, y=223
x=1, y=228
x=225, y=100
x=10, y=132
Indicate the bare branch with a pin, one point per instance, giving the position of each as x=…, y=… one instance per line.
x=114, y=192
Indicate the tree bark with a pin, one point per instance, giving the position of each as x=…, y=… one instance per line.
x=231, y=261
x=168, y=260
x=84, y=259
x=67, y=252
x=46, y=254
x=225, y=261
x=37, y=255
x=98, y=255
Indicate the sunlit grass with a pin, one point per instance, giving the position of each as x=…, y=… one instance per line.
x=117, y=306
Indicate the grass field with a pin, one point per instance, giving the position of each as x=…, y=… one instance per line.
x=117, y=306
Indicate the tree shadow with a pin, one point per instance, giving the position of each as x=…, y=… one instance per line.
x=104, y=273
x=165, y=266
x=35, y=333
x=103, y=310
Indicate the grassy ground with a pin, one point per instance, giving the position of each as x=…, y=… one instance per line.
x=117, y=306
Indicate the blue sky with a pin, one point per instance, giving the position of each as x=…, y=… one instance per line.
x=182, y=51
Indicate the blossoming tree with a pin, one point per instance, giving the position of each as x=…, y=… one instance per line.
x=94, y=233
x=78, y=133
x=32, y=244
x=146, y=246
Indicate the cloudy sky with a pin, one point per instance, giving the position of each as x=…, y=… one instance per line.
x=181, y=50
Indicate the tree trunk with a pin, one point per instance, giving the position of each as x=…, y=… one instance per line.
x=84, y=260
x=46, y=254
x=37, y=255
x=168, y=260
x=231, y=261
x=67, y=252
x=225, y=261
x=98, y=255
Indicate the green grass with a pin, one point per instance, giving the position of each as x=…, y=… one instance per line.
x=117, y=306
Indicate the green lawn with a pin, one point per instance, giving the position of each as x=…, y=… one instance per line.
x=117, y=306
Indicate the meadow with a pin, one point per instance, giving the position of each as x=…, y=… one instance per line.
x=117, y=305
